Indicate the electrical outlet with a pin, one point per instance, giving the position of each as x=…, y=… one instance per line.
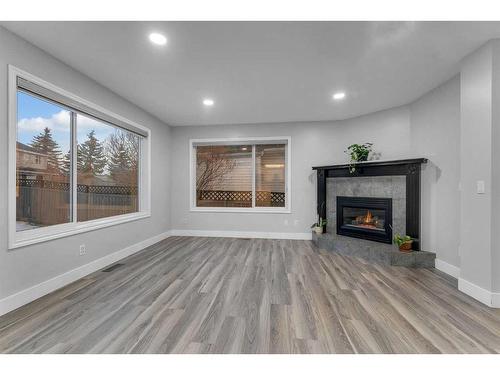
x=296, y=222
x=285, y=222
x=83, y=250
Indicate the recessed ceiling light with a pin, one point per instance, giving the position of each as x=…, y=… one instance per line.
x=339, y=96
x=208, y=102
x=158, y=39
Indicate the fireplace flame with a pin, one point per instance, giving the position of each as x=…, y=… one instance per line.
x=368, y=218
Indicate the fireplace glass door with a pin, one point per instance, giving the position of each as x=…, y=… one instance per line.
x=367, y=218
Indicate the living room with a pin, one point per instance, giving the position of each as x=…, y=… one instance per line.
x=258, y=187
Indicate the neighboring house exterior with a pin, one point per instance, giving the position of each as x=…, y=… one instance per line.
x=31, y=164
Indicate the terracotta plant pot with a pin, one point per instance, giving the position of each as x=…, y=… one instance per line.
x=318, y=230
x=406, y=246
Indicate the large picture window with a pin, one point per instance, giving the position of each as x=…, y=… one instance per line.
x=76, y=168
x=242, y=174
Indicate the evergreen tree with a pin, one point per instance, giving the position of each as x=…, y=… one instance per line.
x=45, y=144
x=119, y=161
x=66, y=163
x=91, y=157
x=123, y=154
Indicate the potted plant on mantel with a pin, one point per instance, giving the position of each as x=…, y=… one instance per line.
x=358, y=153
x=404, y=242
x=319, y=225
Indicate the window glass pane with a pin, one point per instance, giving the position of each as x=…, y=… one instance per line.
x=43, y=194
x=224, y=176
x=108, y=163
x=270, y=175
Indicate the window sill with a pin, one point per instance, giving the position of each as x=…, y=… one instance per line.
x=34, y=236
x=241, y=210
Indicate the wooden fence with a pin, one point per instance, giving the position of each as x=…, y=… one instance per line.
x=41, y=202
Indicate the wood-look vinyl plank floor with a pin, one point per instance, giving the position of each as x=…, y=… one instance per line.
x=228, y=295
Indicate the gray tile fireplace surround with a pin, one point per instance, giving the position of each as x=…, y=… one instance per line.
x=378, y=187
x=370, y=187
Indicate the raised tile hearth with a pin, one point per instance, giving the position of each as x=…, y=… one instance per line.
x=375, y=252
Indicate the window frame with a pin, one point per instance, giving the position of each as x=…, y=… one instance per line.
x=250, y=141
x=37, y=235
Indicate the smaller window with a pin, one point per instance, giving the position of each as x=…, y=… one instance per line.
x=231, y=175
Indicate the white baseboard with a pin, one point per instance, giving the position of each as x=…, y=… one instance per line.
x=448, y=268
x=495, y=300
x=25, y=296
x=238, y=234
x=490, y=299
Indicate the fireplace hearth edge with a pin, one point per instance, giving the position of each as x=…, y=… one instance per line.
x=374, y=252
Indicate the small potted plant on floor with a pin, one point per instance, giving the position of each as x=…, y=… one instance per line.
x=319, y=225
x=404, y=242
x=358, y=153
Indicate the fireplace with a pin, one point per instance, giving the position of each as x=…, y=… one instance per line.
x=366, y=218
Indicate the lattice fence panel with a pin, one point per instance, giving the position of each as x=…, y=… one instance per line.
x=263, y=198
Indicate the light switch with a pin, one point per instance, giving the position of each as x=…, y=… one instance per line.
x=480, y=187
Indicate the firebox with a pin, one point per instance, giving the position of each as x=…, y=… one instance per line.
x=363, y=217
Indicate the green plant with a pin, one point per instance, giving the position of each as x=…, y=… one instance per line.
x=399, y=239
x=358, y=153
x=319, y=223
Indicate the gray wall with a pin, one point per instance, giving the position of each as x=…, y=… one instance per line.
x=495, y=173
x=28, y=266
x=476, y=150
x=480, y=143
x=313, y=143
x=435, y=134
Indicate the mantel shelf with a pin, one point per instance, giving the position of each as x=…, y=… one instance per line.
x=375, y=163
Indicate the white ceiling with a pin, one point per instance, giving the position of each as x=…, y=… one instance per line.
x=262, y=71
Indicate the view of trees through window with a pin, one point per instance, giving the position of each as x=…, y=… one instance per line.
x=225, y=175
x=107, y=160
x=107, y=166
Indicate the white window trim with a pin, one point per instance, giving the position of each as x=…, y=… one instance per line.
x=241, y=141
x=33, y=236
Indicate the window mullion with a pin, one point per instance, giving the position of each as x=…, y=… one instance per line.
x=74, y=169
x=253, y=177
x=140, y=199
